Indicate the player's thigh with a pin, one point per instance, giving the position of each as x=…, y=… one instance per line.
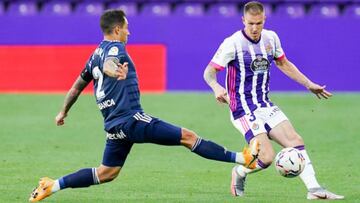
x=279, y=127
x=285, y=135
x=116, y=151
x=152, y=130
x=164, y=133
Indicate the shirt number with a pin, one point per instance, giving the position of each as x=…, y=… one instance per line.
x=97, y=74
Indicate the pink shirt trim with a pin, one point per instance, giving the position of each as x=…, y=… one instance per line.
x=217, y=66
x=280, y=58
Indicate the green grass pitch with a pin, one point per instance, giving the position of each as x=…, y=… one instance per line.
x=31, y=146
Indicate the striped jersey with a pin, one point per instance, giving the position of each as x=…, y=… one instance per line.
x=247, y=64
x=118, y=100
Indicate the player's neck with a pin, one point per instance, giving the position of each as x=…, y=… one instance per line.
x=110, y=38
x=247, y=35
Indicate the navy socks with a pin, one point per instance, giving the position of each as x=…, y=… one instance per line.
x=211, y=150
x=82, y=178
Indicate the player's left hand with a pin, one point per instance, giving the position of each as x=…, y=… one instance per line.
x=122, y=71
x=319, y=91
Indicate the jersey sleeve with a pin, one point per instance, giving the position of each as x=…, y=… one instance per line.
x=86, y=72
x=279, y=52
x=224, y=54
x=86, y=75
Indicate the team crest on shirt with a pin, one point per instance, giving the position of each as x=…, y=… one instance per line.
x=269, y=49
x=255, y=126
x=260, y=64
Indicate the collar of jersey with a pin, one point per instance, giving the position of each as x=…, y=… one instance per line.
x=106, y=40
x=248, y=38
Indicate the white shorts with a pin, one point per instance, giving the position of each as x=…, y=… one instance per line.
x=262, y=120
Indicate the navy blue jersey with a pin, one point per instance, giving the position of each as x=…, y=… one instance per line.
x=118, y=100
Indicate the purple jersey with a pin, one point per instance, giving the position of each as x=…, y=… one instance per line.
x=247, y=64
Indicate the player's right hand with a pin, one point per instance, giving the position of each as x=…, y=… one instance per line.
x=221, y=95
x=59, y=119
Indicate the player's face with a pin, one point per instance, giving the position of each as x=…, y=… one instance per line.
x=254, y=24
x=124, y=32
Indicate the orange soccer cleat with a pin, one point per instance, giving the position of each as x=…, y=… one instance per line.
x=43, y=190
x=250, y=154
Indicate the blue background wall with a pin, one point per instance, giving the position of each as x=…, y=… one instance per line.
x=326, y=50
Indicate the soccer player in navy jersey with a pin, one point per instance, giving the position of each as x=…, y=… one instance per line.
x=247, y=55
x=118, y=98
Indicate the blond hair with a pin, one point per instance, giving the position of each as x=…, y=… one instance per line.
x=254, y=8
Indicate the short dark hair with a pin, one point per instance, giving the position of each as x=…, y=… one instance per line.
x=111, y=18
x=254, y=7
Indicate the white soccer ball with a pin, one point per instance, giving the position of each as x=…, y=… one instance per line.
x=289, y=162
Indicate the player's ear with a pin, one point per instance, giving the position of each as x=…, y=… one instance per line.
x=243, y=19
x=117, y=29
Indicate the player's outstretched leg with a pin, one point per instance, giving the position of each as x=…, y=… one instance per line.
x=160, y=132
x=211, y=150
x=82, y=178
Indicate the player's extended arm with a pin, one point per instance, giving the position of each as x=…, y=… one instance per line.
x=114, y=69
x=70, y=99
x=293, y=72
x=219, y=91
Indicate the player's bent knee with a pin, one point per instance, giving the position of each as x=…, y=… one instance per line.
x=267, y=157
x=188, y=138
x=107, y=174
x=299, y=140
x=296, y=140
x=267, y=160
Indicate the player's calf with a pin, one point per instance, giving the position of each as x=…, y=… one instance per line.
x=211, y=150
x=107, y=174
x=266, y=151
x=266, y=159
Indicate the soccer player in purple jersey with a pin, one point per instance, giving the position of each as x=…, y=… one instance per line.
x=247, y=55
x=117, y=94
